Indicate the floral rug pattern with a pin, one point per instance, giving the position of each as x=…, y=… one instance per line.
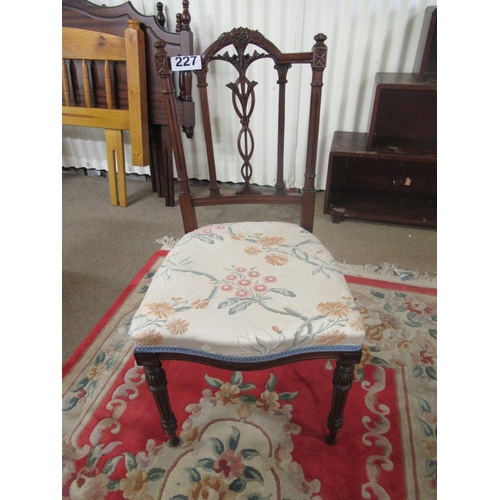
x=244, y=436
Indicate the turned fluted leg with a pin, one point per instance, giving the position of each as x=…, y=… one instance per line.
x=342, y=381
x=157, y=383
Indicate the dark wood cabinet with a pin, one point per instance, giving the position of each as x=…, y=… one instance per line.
x=389, y=174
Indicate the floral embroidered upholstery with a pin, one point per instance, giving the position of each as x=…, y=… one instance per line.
x=248, y=291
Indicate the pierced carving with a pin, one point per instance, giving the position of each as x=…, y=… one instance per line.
x=244, y=103
x=241, y=61
x=240, y=38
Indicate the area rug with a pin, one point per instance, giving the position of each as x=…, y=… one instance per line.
x=257, y=435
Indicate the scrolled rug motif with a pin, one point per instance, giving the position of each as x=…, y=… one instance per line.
x=257, y=435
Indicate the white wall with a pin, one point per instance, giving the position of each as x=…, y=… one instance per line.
x=364, y=37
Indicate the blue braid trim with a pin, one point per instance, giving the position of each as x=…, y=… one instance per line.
x=248, y=359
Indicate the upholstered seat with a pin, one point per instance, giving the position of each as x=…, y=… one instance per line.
x=251, y=291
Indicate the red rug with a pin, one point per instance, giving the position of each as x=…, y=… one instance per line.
x=257, y=435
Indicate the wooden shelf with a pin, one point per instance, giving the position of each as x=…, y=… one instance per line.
x=397, y=210
x=389, y=184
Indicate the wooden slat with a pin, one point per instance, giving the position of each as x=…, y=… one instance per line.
x=86, y=84
x=93, y=45
x=108, y=85
x=65, y=84
x=116, y=119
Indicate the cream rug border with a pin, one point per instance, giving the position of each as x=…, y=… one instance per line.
x=384, y=270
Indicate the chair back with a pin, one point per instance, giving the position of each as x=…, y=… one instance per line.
x=243, y=98
x=93, y=65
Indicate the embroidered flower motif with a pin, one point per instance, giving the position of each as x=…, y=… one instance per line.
x=230, y=464
x=270, y=279
x=160, y=310
x=268, y=401
x=177, y=326
x=134, y=484
x=242, y=293
x=211, y=487
x=276, y=260
x=253, y=274
x=332, y=337
x=147, y=337
x=244, y=282
x=271, y=241
x=252, y=250
x=226, y=287
x=96, y=371
x=199, y=304
x=260, y=288
x=335, y=309
x=414, y=305
x=238, y=237
x=228, y=394
x=357, y=324
x=89, y=483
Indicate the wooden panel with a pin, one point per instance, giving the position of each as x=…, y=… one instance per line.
x=404, y=112
x=117, y=119
x=92, y=45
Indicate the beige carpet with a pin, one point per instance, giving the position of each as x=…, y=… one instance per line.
x=103, y=247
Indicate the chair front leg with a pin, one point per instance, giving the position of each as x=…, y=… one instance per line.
x=342, y=381
x=157, y=383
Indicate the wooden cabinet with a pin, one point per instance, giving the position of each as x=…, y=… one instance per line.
x=389, y=174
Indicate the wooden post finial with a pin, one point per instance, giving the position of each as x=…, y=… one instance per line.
x=160, y=15
x=185, y=16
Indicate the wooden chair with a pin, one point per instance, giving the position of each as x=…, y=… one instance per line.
x=248, y=295
x=88, y=57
